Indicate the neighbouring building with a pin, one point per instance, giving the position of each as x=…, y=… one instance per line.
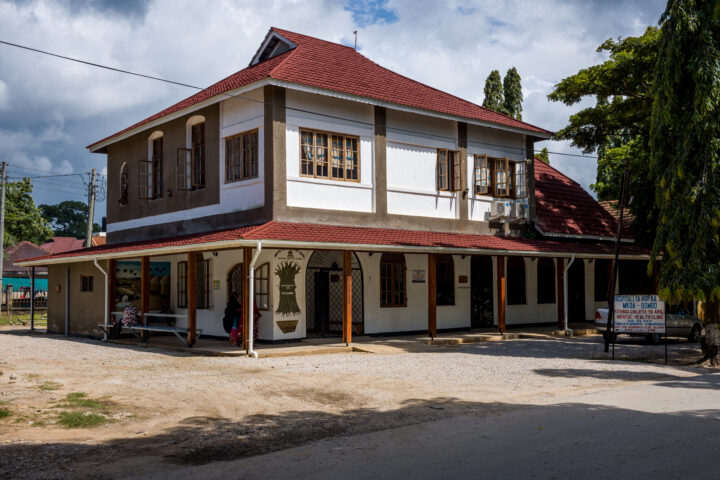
x=364, y=202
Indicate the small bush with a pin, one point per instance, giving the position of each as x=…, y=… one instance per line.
x=81, y=420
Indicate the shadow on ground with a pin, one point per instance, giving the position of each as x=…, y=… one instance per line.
x=203, y=440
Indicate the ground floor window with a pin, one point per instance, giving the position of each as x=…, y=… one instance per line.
x=603, y=272
x=516, y=281
x=262, y=286
x=545, y=280
x=445, y=276
x=392, y=280
x=203, y=281
x=86, y=283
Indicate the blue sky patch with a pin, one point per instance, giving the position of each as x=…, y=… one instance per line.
x=369, y=12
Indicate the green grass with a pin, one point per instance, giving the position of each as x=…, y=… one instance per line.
x=81, y=420
x=49, y=386
x=25, y=317
x=80, y=400
x=4, y=413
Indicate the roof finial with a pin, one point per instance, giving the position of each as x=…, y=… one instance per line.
x=355, y=32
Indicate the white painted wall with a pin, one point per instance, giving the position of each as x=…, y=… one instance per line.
x=412, y=143
x=412, y=317
x=310, y=192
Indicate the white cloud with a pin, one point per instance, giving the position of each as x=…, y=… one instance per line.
x=58, y=107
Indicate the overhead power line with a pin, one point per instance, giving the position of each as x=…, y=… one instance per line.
x=239, y=96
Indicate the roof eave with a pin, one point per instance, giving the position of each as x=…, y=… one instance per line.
x=578, y=236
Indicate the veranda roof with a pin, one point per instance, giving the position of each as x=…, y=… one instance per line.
x=334, y=237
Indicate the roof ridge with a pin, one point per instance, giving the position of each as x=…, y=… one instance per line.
x=283, y=61
x=281, y=31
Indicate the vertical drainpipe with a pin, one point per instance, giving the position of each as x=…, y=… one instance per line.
x=106, y=298
x=565, y=290
x=251, y=304
x=67, y=302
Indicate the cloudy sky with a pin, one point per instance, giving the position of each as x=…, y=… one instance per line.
x=50, y=109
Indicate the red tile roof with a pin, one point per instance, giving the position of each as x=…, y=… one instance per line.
x=19, y=252
x=351, y=73
x=563, y=207
x=332, y=234
x=62, y=244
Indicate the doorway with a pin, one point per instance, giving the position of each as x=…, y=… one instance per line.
x=324, y=294
x=481, y=292
x=576, y=291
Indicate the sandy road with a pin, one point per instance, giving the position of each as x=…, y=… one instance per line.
x=174, y=409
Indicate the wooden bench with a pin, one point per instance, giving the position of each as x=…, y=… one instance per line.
x=177, y=331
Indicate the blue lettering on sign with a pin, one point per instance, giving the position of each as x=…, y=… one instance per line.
x=628, y=305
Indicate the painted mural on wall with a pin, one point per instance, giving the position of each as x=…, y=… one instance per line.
x=127, y=289
x=286, y=270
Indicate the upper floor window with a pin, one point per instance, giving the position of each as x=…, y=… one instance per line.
x=151, y=169
x=445, y=276
x=191, y=159
x=392, y=280
x=448, y=170
x=499, y=177
x=241, y=156
x=329, y=155
x=124, y=183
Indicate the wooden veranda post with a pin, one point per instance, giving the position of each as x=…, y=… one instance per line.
x=112, y=287
x=347, y=297
x=144, y=290
x=560, y=276
x=247, y=258
x=501, y=293
x=32, y=298
x=191, y=298
x=432, y=295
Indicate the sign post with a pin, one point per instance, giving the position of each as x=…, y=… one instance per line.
x=640, y=314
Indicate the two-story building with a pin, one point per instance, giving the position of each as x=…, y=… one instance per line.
x=358, y=200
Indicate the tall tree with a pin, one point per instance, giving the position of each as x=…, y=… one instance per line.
x=617, y=127
x=493, y=92
x=685, y=160
x=512, y=89
x=68, y=218
x=544, y=155
x=23, y=220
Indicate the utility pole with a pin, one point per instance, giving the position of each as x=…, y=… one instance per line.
x=2, y=225
x=91, y=210
x=610, y=327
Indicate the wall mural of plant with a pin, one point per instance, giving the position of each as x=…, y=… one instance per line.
x=287, y=305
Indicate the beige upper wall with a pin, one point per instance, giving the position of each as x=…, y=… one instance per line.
x=135, y=148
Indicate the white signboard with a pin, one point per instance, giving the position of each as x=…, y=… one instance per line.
x=639, y=314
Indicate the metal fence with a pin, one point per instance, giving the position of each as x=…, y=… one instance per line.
x=21, y=300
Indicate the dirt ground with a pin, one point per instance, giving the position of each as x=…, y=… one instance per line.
x=164, y=410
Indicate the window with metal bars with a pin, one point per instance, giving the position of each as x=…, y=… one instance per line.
x=392, y=280
x=124, y=183
x=329, y=155
x=482, y=177
x=516, y=281
x=262, y=287
x=448, y=170
x=545, y=280
x=191, y=161
x=445, y=278
x=203, y=282
x=86, y=283
x=241, y=156
x=150, y=180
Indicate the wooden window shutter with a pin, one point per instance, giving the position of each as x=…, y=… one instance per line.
x=184, y=168
x=143, y=179
x=456, y=172
x=442, y=170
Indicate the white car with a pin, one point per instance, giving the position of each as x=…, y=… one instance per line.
x=680, y=323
